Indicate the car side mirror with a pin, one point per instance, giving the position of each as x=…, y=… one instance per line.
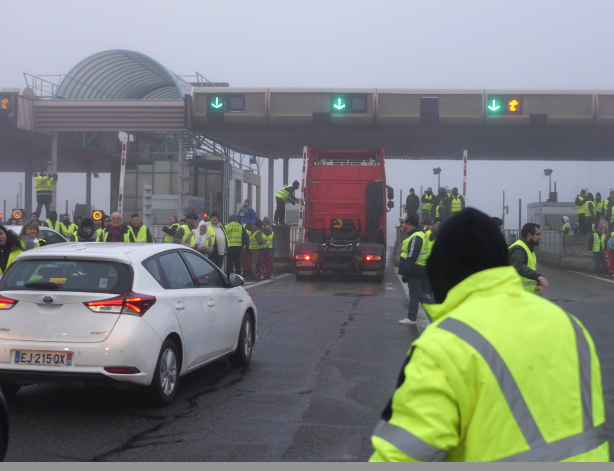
x=235, y=280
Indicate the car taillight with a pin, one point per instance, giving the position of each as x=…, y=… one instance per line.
x=129, y=303
x=122, y=370
x=370, y=258
x=7, y=303
x=302, y=256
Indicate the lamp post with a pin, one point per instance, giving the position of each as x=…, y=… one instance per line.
x=548, y=173
x=437, y=171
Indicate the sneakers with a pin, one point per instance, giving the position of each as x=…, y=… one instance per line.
x=406, y=321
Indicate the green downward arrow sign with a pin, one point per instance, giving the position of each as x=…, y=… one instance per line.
x=339, y=106
x=494, y=106
x=217, y=103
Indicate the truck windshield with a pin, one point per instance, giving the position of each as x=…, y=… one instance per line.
x=68, y=275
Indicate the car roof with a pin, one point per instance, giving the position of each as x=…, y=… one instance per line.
x=119, y=251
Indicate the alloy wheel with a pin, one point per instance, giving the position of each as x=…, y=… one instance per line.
x=168, y=371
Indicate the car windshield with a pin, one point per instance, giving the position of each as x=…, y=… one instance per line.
x=68, y=275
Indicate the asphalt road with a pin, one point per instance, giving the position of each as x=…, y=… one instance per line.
x=325, y=363
x=324, y=366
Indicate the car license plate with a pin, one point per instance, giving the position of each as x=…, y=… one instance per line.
x=370, y=273
x=304, y=272
x=305, y=264
x=43, y=358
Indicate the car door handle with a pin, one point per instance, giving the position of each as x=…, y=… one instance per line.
x=240, y=300
x=211, y=303
x=180, y=306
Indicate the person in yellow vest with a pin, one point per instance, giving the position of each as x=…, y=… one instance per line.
x=30, y=236
x=256, y=242
x=86, y=232
x=68, y=228
x=522, y=258
x=427, y=202
x=237, y=239
x=431, y=234
x=170, y=231
x=139, y=231
x=283, y=196
x=414, y=253
x=500, y=375
x=581, y=211
x=591, y=211
x=596, y=248
x=599, y=208
x=457, y=202
x=117, y=231
x=52, y=222
x=44, y=191
x=566, y=229
x=608, y=214
x=104, y=224
x=266, y=255
x=10, y=248
x=184, y=234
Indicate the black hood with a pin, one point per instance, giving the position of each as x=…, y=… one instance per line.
x=466, y=244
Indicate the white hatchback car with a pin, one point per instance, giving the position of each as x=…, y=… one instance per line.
x=118, y=313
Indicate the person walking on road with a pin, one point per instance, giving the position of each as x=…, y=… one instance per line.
x=412, y=204
x=596, y=248
x=283, y=196
x=581, y=211
x=44, y=192
x=522, y=258
x=500, y=375
x=414, y=253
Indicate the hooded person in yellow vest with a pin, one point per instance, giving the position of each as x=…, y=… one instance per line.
x=283, y=197
x=500, y=374
x=522, y=257
x=566, y=229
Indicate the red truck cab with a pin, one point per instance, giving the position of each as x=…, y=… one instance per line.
x=344, y=217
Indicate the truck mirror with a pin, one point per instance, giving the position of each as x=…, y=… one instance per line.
x=390, y=192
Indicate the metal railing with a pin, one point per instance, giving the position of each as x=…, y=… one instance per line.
x=551, y=241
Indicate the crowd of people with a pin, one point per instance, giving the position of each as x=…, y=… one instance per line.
x=245, y=245
x=442, y=205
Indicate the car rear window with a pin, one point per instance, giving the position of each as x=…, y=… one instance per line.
x=68, y=275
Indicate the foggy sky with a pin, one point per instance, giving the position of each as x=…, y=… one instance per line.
x=448, y=44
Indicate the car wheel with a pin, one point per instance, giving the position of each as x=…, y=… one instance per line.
x=9, y=389
x=243, y=354
x=165, y=382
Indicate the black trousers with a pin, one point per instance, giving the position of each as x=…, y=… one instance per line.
x=582, y=224
x=280, y=211
x=233, y=260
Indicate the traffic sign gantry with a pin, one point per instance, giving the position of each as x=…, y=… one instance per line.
x=503, y=104
x=222, y=103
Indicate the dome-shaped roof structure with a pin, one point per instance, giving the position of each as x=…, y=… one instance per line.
x=121, y=75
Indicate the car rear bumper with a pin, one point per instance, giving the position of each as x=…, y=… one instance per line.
x=133, y=343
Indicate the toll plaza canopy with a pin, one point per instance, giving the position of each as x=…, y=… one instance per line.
x=121, y=75
x=410, y=123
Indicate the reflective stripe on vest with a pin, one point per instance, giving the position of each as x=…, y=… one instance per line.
x=169, y=238
x=588, y=440
x=529, y=285
x=408, y=443
x=284, y=193
x=268, y=241
x=456, y=204
x=427, y=206
x=44, y=185
x=598, y=242
x=253, y=243
x=582, y=208
x=234, y=234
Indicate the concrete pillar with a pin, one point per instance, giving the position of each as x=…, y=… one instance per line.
x=88, y=189
x=286, y=163
x=183, y=185
x=271, y=192
x=52, y=167
x=258, y=199
x=27, y=203
x=250, y=196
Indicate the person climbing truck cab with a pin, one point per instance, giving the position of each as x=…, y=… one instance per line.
x=283, y=196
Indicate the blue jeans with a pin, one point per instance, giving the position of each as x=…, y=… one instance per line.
x=415, y=296
x=39, y=208
x=218, y=260
x=599, y=258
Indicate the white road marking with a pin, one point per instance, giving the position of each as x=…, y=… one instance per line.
x=421, y=313
x=258, y=283
x=591, y=276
